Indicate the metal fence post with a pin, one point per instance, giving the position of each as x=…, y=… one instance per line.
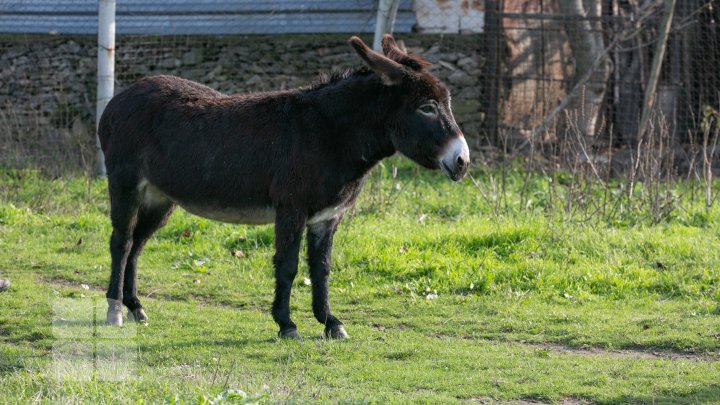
x=106, y=68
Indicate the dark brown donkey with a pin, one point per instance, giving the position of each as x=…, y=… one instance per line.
x=297, y=158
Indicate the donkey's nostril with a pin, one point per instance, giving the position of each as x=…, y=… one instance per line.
x=455, y=160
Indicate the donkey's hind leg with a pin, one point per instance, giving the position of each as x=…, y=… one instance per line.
x=124, y=203
x=152, y=215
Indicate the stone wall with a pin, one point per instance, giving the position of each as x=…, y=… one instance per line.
x=48, y=84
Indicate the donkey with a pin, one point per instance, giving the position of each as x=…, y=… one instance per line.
x=297, y=158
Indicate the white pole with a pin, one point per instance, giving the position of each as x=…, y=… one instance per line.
x=106, y=68
x=387, y=11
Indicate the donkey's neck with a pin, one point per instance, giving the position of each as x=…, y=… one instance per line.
x=362, y=113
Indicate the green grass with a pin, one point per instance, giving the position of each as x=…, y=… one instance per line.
x=449, y=295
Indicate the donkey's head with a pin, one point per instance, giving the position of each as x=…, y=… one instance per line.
x=425, y=129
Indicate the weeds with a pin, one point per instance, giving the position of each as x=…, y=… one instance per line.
x=573, y=177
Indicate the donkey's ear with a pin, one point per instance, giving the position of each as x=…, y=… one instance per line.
x=390, y=71
x=389, y=44
x=393, y=52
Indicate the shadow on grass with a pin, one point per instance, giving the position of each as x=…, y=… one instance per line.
x=233, y=343
x=7, y=368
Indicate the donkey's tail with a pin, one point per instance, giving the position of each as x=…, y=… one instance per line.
x=104, y=127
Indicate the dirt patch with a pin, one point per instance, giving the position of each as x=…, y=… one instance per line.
x=62, y=282
x=639, y=353
x=565, y=401
x=199, y=300
x=586, y=350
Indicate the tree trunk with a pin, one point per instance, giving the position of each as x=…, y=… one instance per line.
x=586, y=42
x=536, y=63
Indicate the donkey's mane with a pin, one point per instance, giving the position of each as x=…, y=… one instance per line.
x=335, y=76
x=413, y=61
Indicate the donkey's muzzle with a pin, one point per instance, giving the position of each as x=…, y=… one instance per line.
x=456, y=158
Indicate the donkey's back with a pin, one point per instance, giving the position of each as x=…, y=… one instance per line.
x=178, y=141
x=167, y=110
x=149, y=100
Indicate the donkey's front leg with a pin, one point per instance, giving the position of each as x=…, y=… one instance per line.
x=288, y=233
x=320, y=239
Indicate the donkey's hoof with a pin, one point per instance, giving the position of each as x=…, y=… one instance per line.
x=336, y=332
x=290, y=334
x=114, y=313
x=137, y=315
x=115, y=318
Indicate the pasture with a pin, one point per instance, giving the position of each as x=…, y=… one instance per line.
x=448, y=293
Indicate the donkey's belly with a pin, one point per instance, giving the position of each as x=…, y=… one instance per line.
x=252, y=216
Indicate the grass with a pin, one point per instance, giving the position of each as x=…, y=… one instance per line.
x=448, y=296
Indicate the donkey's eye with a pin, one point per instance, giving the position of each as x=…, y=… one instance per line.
x=428, y=109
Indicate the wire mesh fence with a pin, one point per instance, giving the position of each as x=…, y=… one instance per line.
x=47, y=102
x=48, y=68
x=513, y=67
x=580, y=71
